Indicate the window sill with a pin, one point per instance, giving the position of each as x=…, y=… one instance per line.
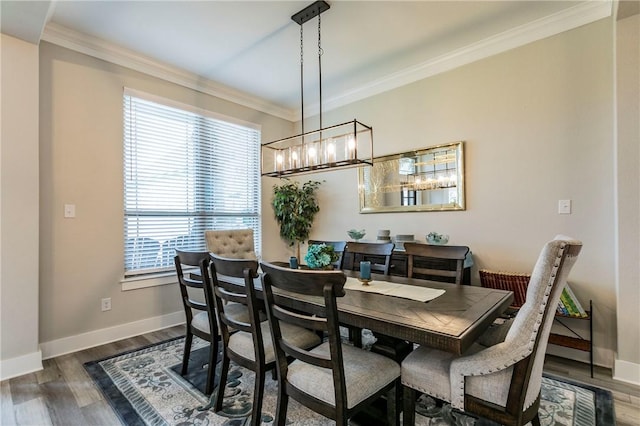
x=151, y=280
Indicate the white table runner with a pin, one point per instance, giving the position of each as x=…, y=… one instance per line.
x=421, y=294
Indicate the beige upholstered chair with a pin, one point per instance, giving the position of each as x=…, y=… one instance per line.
x=500, y=382
x=231, y=243
x=332, y=379
x=247, y=342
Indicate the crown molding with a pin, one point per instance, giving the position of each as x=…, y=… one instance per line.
x=551, y=25
x=98, y=48
x=568, y=19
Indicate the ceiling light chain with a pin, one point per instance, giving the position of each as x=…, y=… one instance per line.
x=320, y=52
x=302, y=79
x=348, y=144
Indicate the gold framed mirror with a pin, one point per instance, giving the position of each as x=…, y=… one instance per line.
x=429, y=179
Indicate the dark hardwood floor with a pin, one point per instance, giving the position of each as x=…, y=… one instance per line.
x=63, y=394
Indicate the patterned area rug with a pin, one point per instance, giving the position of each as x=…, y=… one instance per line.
x=145, y=388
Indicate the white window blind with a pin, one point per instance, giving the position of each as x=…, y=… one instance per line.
x=185, y=171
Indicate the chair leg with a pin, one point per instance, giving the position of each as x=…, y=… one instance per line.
x=409, y=406
x=258, y=395
x=187, y=352
x=536, y=420
x=356, y=336
x=281, y=408
x=211, y=373
x=223, y=383
x=394, y=396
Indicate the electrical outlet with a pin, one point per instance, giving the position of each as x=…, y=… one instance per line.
x=106, y=304
x=564, y=206
x=70, y=210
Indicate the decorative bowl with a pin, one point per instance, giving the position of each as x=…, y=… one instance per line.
x=356, y=234
x=438, y=239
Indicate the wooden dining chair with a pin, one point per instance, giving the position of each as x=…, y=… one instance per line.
x=247, y=343
x=436, y=262
x=500, y=382
x=379, y=254
x=338, y=247
x=332, y=379
x=199, y=308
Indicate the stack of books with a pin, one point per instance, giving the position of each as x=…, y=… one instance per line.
x=569, y=305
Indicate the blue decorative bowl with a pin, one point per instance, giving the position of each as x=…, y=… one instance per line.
x=355, y=234
x=437, y=239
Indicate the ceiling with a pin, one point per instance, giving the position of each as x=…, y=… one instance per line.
x=249, y=51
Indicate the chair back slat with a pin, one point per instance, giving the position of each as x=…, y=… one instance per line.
x=231, y=296
x=233, y=267
x=434, y=261
x=192, y=282
x=378, y=253
x=306, y=356
x=193, y=304
x=307, y=282
x=434, y=272
x=301, y=320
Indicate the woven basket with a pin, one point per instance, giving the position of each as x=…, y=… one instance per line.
x=507, y=281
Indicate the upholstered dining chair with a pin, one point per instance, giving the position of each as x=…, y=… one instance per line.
x=332, y=379
x=199, y=308
x=438, y=258
x=247, y=343
x=231, y=243
x=500, y=382
x=338, y=247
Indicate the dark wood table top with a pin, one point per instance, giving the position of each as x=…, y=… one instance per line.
x=450, y=322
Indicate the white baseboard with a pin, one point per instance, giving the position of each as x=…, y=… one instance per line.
x=25, y=364
x=82, y=341
x=626, y=371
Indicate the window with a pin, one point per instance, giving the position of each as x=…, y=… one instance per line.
x=185, y=171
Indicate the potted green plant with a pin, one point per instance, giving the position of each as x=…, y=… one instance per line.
x=295, y=207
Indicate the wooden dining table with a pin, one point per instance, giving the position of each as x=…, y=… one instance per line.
x=451, y=322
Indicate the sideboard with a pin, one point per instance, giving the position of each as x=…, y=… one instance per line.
x=399, y=264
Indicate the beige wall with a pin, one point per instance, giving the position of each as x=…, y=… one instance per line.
x=628, y=196
x=81, y=164
x=19, y=351
x=538, y=126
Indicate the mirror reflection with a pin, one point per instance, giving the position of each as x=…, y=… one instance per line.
x=423, y=180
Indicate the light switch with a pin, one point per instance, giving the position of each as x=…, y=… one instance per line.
x=564, y=206
x=69, y=210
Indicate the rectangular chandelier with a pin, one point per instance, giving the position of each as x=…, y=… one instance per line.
x=348, y=144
